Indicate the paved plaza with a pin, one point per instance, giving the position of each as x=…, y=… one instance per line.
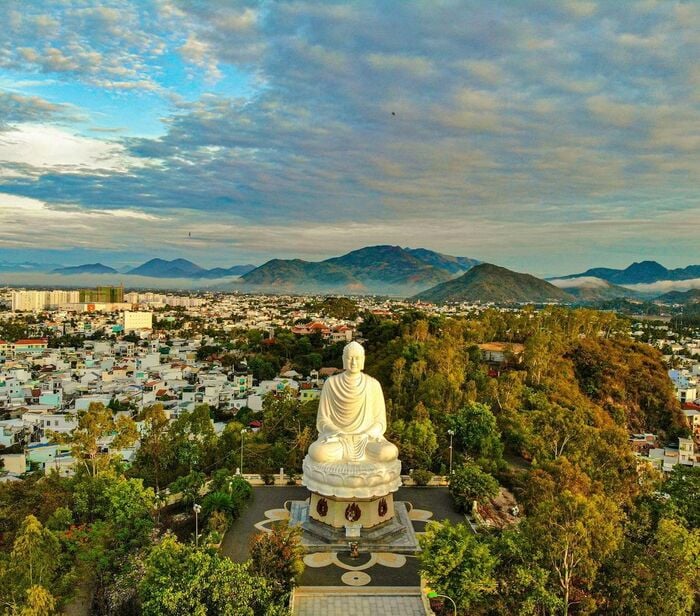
x=338, y=569
x=334, y=583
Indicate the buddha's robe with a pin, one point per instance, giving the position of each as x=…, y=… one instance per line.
x=351, y=421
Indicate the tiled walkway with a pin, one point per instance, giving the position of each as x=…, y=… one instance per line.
x=384, y=602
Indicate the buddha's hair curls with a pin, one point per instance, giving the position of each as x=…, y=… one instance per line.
x=353, y=346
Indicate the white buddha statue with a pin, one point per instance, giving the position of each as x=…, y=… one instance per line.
x=352, y=416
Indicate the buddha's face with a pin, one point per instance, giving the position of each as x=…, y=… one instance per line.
x=354, y=361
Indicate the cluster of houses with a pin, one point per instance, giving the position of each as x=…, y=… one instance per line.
x=43, y=392
x=682, y=352
x=43, y=389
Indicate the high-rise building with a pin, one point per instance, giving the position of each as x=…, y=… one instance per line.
x=103, y=295
x=29, y=301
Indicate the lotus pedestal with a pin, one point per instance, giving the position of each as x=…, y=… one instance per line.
x=353, y=502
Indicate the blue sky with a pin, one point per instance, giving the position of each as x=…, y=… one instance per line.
x=543, y=136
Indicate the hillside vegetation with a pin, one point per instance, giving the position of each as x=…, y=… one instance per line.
x=594, y=537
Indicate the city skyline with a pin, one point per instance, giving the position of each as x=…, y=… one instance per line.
x=546, y=137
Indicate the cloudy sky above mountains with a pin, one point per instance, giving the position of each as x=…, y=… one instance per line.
x=546, y=136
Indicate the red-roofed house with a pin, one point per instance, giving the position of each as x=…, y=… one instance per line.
x=312, y=328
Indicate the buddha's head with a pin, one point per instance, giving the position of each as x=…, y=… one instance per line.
x=353, y=357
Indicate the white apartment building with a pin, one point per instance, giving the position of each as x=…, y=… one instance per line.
x=29, y=301
x=35, y=301
x=59, y=298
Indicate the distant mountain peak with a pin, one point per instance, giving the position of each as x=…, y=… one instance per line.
x=487, y=282
x=88, y=268
x=160, y=268
x=383, y=268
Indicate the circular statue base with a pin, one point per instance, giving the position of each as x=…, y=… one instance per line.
x=396, y=534
x=351, y=513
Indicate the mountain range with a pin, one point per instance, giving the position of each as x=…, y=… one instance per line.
x=159, y=268
x=374, y=269
x=644, y=272
x=393, y=270
x=490, y=283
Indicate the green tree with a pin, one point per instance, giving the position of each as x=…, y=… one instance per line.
x=289, y=424
x=189, y=486
x=683, y=486
x=39, y=495
x=556, y=430
x=524, y=586
x=130, y=511
x=192, y=440
x=655, y=574
x=456, y=563
x=219, y=501
x=477, y=435
x=470, y=483
x=60, y=520
x=262, y=368
x=154, y=448
x=416, y=440
x=35, y=553
x=94, y=426
x=573, y=534
x=229, y=443
x=181, y=580
x=90, y=495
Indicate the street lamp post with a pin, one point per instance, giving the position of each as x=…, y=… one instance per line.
x=197, y=508
x=451, y=433
x=434, y=595
x=243, y=431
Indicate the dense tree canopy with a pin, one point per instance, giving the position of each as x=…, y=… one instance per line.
x=564, y=409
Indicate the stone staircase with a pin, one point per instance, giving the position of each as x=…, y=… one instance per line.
x=359, y=601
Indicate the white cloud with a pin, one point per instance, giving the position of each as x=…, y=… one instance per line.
x=664, y=286
x=200, y=54
x=612, y=112
x=27, y=223
x=44, y=147
x=583, y=282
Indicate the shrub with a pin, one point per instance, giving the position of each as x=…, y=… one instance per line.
x=219, y=501
x=239, y=488
x=422, y=477
x=215, y=537
x=219, y=522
